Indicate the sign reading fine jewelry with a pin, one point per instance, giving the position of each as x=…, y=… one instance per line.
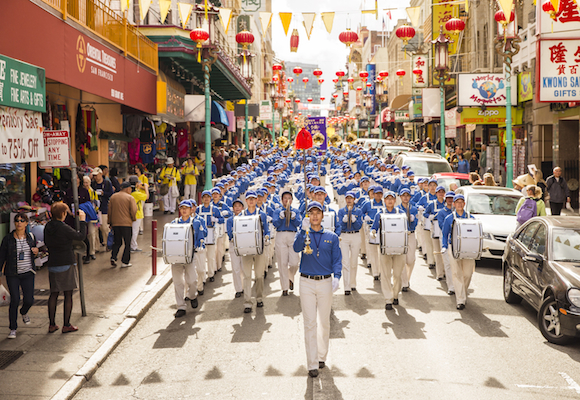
x=22, y=85
x=484, y=90
x=559, y=70
x=20, y=135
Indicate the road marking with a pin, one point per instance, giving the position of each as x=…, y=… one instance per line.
x=571, y=382
x=572, y=385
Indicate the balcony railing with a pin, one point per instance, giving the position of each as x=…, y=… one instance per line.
x=101, y=20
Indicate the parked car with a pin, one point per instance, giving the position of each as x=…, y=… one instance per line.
x=368, y=143
x=394, y=150
x=446, y=178
x=541, y=266
x=495, y=207
x=424, y=165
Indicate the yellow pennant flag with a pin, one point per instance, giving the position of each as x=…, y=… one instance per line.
x=328, y=19
x=124, y=5
x=164, y=6
x=414, y=13
x=506, y=7
x=467, y=5
x=144, y=8
x=184, y=12
x=265, y=19
x=286, y=18
x=226, y=17
x=556, y=4
x=308, y=22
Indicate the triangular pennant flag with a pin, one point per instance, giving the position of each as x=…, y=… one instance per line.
x=225, y=16
x=265, y=19
x=286, y=18
x=124, y=5
x=506, y=6
x=308, y=22
x=555, y=3
x=328, y=19
x=144, y=8
x=184, y=12
x=164, y=6
x=414, y=13
x=567, y=242
x=467, y=6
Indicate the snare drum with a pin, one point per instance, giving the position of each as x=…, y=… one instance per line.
x=219, y=230
x=467, y=238
x=248, y=235
x=328, y=220
x=211, y=237
x=393, y=235
x=178, y=243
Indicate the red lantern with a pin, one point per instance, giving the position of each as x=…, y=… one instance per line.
x=335, y=80
x=383, y=74
x=350, y=80
x=317, y=72
x=275, y=78
x=291, y=111
x=363, y=74
x=369, y=84
x=245, y=39
x=288, y=101
x=359, y=88
x=290, y=79
x=294, y=40
x=455, y=25
x=418, y=71
x=300, y=113
x=340, y=74
x=405, y=33
x=297, y=101
x=401, y=73
x=309, y=99
x=322, y=98
x=320, y=81
x=500, y=18
x=308, y=115
x=335, y=95
x=303, y=140
x=548, y=7
x=348, y=37
x=277, y=67
x=199, y=36
x=297, y=71
x=345, y=93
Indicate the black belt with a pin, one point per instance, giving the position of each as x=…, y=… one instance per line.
x=352, y=231
x=316, y=277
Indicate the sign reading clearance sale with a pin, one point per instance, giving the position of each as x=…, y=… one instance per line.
x=20, y=135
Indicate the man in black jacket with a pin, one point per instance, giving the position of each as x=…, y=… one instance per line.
x=558, y=190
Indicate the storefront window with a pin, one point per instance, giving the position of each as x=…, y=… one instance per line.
x=118, y=157
x=12, y=188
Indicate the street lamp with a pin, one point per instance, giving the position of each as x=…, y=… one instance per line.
x=358, y=112
x=507, y=45
x=441, y=64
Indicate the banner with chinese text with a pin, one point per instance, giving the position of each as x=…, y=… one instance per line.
x=565, y=24
x=443, y=11
x=420, y=63
x=559, y=70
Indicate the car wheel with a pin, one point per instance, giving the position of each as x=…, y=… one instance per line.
x=508, y=294
x=549, y=322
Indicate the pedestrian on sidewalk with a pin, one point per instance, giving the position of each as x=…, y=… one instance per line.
x=91, y=209
x=316, y=287
x=122, y=213
x=104, y=189
x=558, y=191
x=17, y=253
x=141, y=194
x=61, y=264
x=170, y=176
x=185, y=275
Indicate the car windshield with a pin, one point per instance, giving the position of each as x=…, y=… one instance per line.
x=496, y=204
x=445, y=182
x=566, y=245
x=428, y=168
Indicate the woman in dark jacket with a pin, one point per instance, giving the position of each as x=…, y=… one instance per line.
x=62, y=272
x=17, y=253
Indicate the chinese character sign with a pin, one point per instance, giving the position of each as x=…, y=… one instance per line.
x=567, y=19
x=443, y=11
x=372, y=70
x=484, y=89
x=316, y=125
x=250, y=6
x=559, y=67
x=420, y=65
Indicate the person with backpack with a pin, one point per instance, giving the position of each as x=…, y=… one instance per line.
x=530, y=206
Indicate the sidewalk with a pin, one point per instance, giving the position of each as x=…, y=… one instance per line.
x=115, y=299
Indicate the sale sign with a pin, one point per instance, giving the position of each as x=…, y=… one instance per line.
x=20, y=135
x=56, y=149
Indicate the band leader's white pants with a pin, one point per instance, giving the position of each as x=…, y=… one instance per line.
x=462, y=273
x=236, y=269
x=288, y=259
x=409, y=260
x=210, y=257
x=349, y=247
x=316, y=302
x=184, y=282
x=391, y=268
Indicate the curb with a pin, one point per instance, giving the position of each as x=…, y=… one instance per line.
x=137, y=310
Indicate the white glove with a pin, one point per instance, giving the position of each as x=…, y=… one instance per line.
x=266, y=240
x=444, y=250
x=373, y=234
x=431, y=217
x=199, y=249
x=306, y=223
x=293, y=215
x=225, y=213
x=282, y=216
x=214, y=219
x=345, y=218
x=276, y=205
x=412, y=218
x=269, y=219
x=335, y=284
x=367, y=218
x=421, y=209
x=353, y=218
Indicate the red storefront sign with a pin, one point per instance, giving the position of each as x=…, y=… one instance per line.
x=75, y=58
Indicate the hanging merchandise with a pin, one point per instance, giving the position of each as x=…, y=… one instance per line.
x=182, y=143
x=147, y=129
x=134, y=150
x=81, y=133
x=160, y=136
x=148, y=152
x=132, y=125
x=91, y=128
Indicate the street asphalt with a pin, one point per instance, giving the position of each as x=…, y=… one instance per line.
x=424, y=349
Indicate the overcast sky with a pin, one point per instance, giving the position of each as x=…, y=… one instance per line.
x=325, y=49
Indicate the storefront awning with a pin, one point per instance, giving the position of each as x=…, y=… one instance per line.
x=400, y=101
x=178, y=52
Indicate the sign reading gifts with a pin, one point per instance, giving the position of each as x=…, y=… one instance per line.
x=22, y=85
x=20, y=135
x=559, y=70
x=316, y=125
x=484, y=90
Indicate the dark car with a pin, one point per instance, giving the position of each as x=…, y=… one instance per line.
x=541, y=265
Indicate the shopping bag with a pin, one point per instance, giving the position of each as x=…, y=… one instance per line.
x=4, y=296
x=110, y=239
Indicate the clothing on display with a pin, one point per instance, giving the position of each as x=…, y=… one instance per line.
x=182, y=143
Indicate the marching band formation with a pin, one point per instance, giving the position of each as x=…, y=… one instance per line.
x=277, y=208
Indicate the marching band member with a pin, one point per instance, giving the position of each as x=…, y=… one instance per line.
x=391, y=265
x=225, y=212
x=288, y=259
x=185, y=275
x=348, y=229
x=430, y=213
x=236, y=260
x=199, y=256
x=256, y=262
x=369, y=211
x=262, y=205
x=315, y=286
x=441, y=215
x=426, y=243
x=363, y=198
x=211, y=215
x=462, y=269
x=407, y=208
